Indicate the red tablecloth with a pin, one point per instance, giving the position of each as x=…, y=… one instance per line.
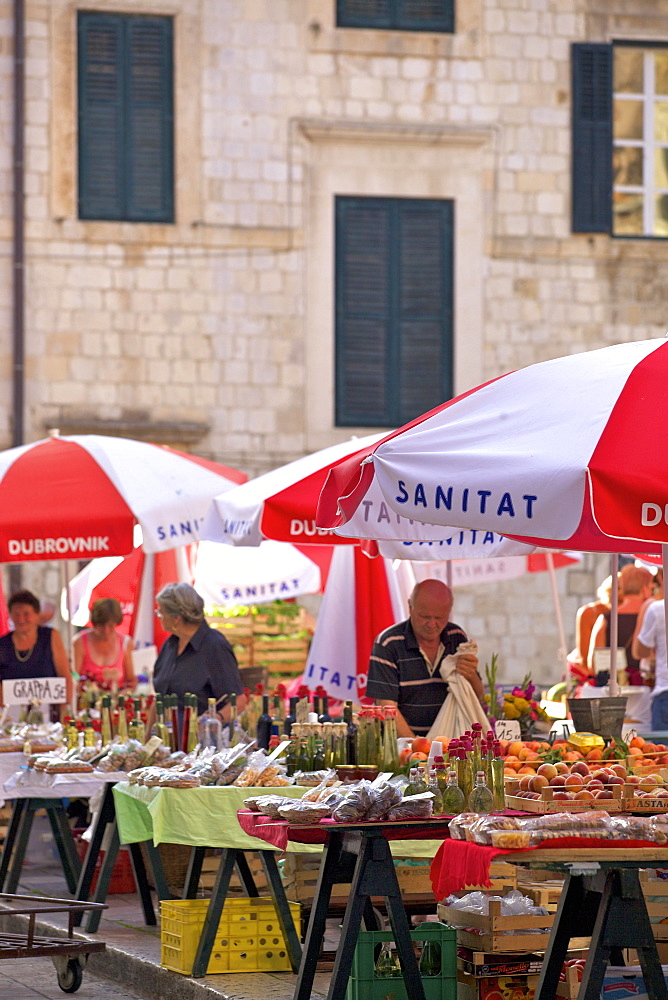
x=279, y=832
x=459, y=863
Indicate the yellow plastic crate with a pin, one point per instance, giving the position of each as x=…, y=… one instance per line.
x=249, y=937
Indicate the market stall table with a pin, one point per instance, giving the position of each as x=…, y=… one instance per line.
x=358, y=853
x=31, y=790
x=201, y=818
x=602, y=899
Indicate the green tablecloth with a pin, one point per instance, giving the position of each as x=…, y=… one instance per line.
x=207, y=817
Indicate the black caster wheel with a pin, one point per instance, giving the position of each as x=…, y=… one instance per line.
x=70, y=980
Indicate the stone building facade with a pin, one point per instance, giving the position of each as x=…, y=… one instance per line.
x=215, y=332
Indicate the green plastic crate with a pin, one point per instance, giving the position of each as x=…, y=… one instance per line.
x=365, y=985
x=248, y=939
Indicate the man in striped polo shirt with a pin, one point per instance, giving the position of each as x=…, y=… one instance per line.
x=403, y=669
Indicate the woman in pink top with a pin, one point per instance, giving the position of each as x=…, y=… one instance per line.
x=101, y=654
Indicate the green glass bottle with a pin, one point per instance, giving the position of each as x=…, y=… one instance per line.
x=454, y=800
x=387, y=964
x=430, y=959
x=304, y=761
x=411, y=788
x=106, y=720
x=437, y=801
x=481, y=799
x=319, y=756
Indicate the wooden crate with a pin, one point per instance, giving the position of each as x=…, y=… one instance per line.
x=502, y=876
x=300, y=873
x=548, y=804
x=544, y=893
x=278, y=643
x=570, y=986
x=210, y=870
x=494, y=937
x=5, y=817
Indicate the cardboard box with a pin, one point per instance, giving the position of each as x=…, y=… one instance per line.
x=626, y=981
x=512, y=987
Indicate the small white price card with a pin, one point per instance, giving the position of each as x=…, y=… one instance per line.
x=507, y=729
x=52, y=690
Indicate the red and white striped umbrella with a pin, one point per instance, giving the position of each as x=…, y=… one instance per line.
x=569, y=453
x=81, y=496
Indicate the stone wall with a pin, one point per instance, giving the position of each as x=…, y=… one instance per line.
x=215, y=334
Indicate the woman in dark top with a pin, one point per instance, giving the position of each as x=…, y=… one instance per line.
x=31, y=649
x=195, y=659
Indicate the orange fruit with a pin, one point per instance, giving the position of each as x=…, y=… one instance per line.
x=421, y=744
x=418, y=756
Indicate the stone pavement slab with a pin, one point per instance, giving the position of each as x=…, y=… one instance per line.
x=130, y=966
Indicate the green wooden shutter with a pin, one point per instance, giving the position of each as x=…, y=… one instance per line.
x=362, y=312
x=149, y=119
x=100, y=67
x=126, y=145
x=407, y=15
x=426, y=15
x=592, y=138
x=393, y=309
x=424, y=320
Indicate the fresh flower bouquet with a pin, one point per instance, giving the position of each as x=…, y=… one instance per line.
x=519, y=704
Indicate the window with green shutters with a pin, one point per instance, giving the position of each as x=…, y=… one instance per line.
x=397, y=15
x=394, y=309
x=125, y=117
x=620, y=139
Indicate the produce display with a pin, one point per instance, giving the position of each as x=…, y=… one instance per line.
x=518, y=832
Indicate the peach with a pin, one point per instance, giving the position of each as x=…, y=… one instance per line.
x=584, y=794
x=648, y=783
x=618, y=769
x=604, y=793
x=573, y=779
x=549, y=770
x=561, y=795
x=562, y=767
x=538, y=782
x=614, y=779
x=525, y=782
x=558, y=780
x=595, y=754
x=526, y=769
x=514, y=748
x=579, y=767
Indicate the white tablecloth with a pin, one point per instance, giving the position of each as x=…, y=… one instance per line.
x=30, y=784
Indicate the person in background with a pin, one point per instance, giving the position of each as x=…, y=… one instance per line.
x=585, y=619
x=46, y=613
x=101, y=653
x=651, y=641
x=30, y=649
x=196, y=658
x=636, y=587
x=646, y=662
x=403, y=669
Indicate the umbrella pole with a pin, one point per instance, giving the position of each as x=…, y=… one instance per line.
x=70, y=632
x=613, y=686
x=561, y=653
x=448, y=573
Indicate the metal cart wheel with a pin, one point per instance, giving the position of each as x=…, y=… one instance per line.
x=69, y=978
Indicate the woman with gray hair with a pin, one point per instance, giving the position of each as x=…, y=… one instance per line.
x=195, y=658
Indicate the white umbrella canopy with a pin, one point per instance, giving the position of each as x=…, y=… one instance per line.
x=229, y=577
x=560, y=454
x=81, y=496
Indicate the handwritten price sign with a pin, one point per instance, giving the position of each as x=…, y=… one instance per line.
x=51, y=690
x=507, y=729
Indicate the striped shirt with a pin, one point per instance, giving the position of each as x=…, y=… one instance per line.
x=398, y=672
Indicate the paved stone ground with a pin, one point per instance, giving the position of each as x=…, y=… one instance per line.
x=35, y=979
x=131, y=966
